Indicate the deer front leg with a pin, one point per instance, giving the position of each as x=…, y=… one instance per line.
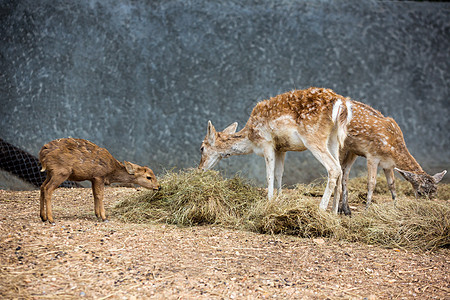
x=269, y=156
x=372, y=166
x=98, y=190
x=390, y=178
x=279, y=169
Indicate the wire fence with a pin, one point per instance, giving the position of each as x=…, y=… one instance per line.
x=24, y=165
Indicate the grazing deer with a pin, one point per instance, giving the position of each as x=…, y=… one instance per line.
x=380, y=140
x=78, y=160
x=314, y=119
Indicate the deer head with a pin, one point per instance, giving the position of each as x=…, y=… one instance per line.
x=216, y=145
x=142, y=176
x=423, y=184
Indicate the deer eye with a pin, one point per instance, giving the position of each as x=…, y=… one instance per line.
x=202, y=148
x=149, y=177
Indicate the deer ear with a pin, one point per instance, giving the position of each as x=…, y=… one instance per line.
x=411, y=177
x=130, y=167
x=438, y=177
x=231, y=129
x=211, y=133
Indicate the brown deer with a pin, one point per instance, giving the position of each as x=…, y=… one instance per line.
x=78, y=160
x=314, y=119
x=380, y=140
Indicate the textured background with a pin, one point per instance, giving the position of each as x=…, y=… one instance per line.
x=142, y=78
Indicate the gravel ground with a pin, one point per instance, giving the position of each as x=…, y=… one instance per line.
x=80, y=257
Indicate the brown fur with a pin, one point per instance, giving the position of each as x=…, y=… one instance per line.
x=293, y=121
x=78, y=160
x=380, y=140
x=305, y=106
x=367, y=131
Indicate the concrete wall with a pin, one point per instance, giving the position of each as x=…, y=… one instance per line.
x=142, y=78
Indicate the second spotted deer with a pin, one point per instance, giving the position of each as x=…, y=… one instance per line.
x=380, y=140
x=314, y=119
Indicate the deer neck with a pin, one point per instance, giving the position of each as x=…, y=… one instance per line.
x=405, y=161
x=119, y=174
x=237, y=144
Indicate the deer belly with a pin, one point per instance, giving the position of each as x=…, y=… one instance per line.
x=289, y=141
x=87, y=171
x=386, y=163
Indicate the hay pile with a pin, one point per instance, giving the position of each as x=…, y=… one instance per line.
x=194, y=197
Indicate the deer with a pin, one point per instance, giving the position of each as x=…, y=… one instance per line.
x=380, y=140
x=79, y=160
x=315, y=119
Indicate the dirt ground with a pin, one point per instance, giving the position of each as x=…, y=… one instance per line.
x=81, y=258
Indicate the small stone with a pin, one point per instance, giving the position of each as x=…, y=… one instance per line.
x=319, y=241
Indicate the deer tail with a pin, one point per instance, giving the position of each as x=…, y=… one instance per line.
x=42, y=155
x=341, y=116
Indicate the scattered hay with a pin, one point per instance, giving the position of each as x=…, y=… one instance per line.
x=13, y=283
x=419, y=224
x=443, y=192
x=357, y=189
x=194, y=197
x=292, y=213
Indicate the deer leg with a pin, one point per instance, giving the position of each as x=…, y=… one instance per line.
x=333, y=148
x=47, y=191
x=389, y=173
x=334, y=173
x=337, y=193
x=269, y=156
x=94, y=193
x=347, y=162
x=372, y=166
x=43, y=213
x=98, y=190
x=279, y=169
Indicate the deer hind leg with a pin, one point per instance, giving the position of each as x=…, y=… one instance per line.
x=279, y=169
x=98, y=190
x=390, y=178
x=347, y=161
x=43, y=213
x=334, y=173
x=333, y=147
x=46, y=194
x=372, y=166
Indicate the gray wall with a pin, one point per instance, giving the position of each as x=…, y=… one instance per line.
x=142, y=78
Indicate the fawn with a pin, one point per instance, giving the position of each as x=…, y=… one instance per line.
x=314, y=119
x=78, y=160
x=380, y=140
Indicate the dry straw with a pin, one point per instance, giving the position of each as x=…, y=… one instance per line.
x=193, y=197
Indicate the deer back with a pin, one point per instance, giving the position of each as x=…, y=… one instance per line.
x=82, y=158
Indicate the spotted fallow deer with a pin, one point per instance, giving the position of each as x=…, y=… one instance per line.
x=380, y=140
x=314, y=119
x=78, y=160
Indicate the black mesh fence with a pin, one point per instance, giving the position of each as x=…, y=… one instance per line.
x=24, y=165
